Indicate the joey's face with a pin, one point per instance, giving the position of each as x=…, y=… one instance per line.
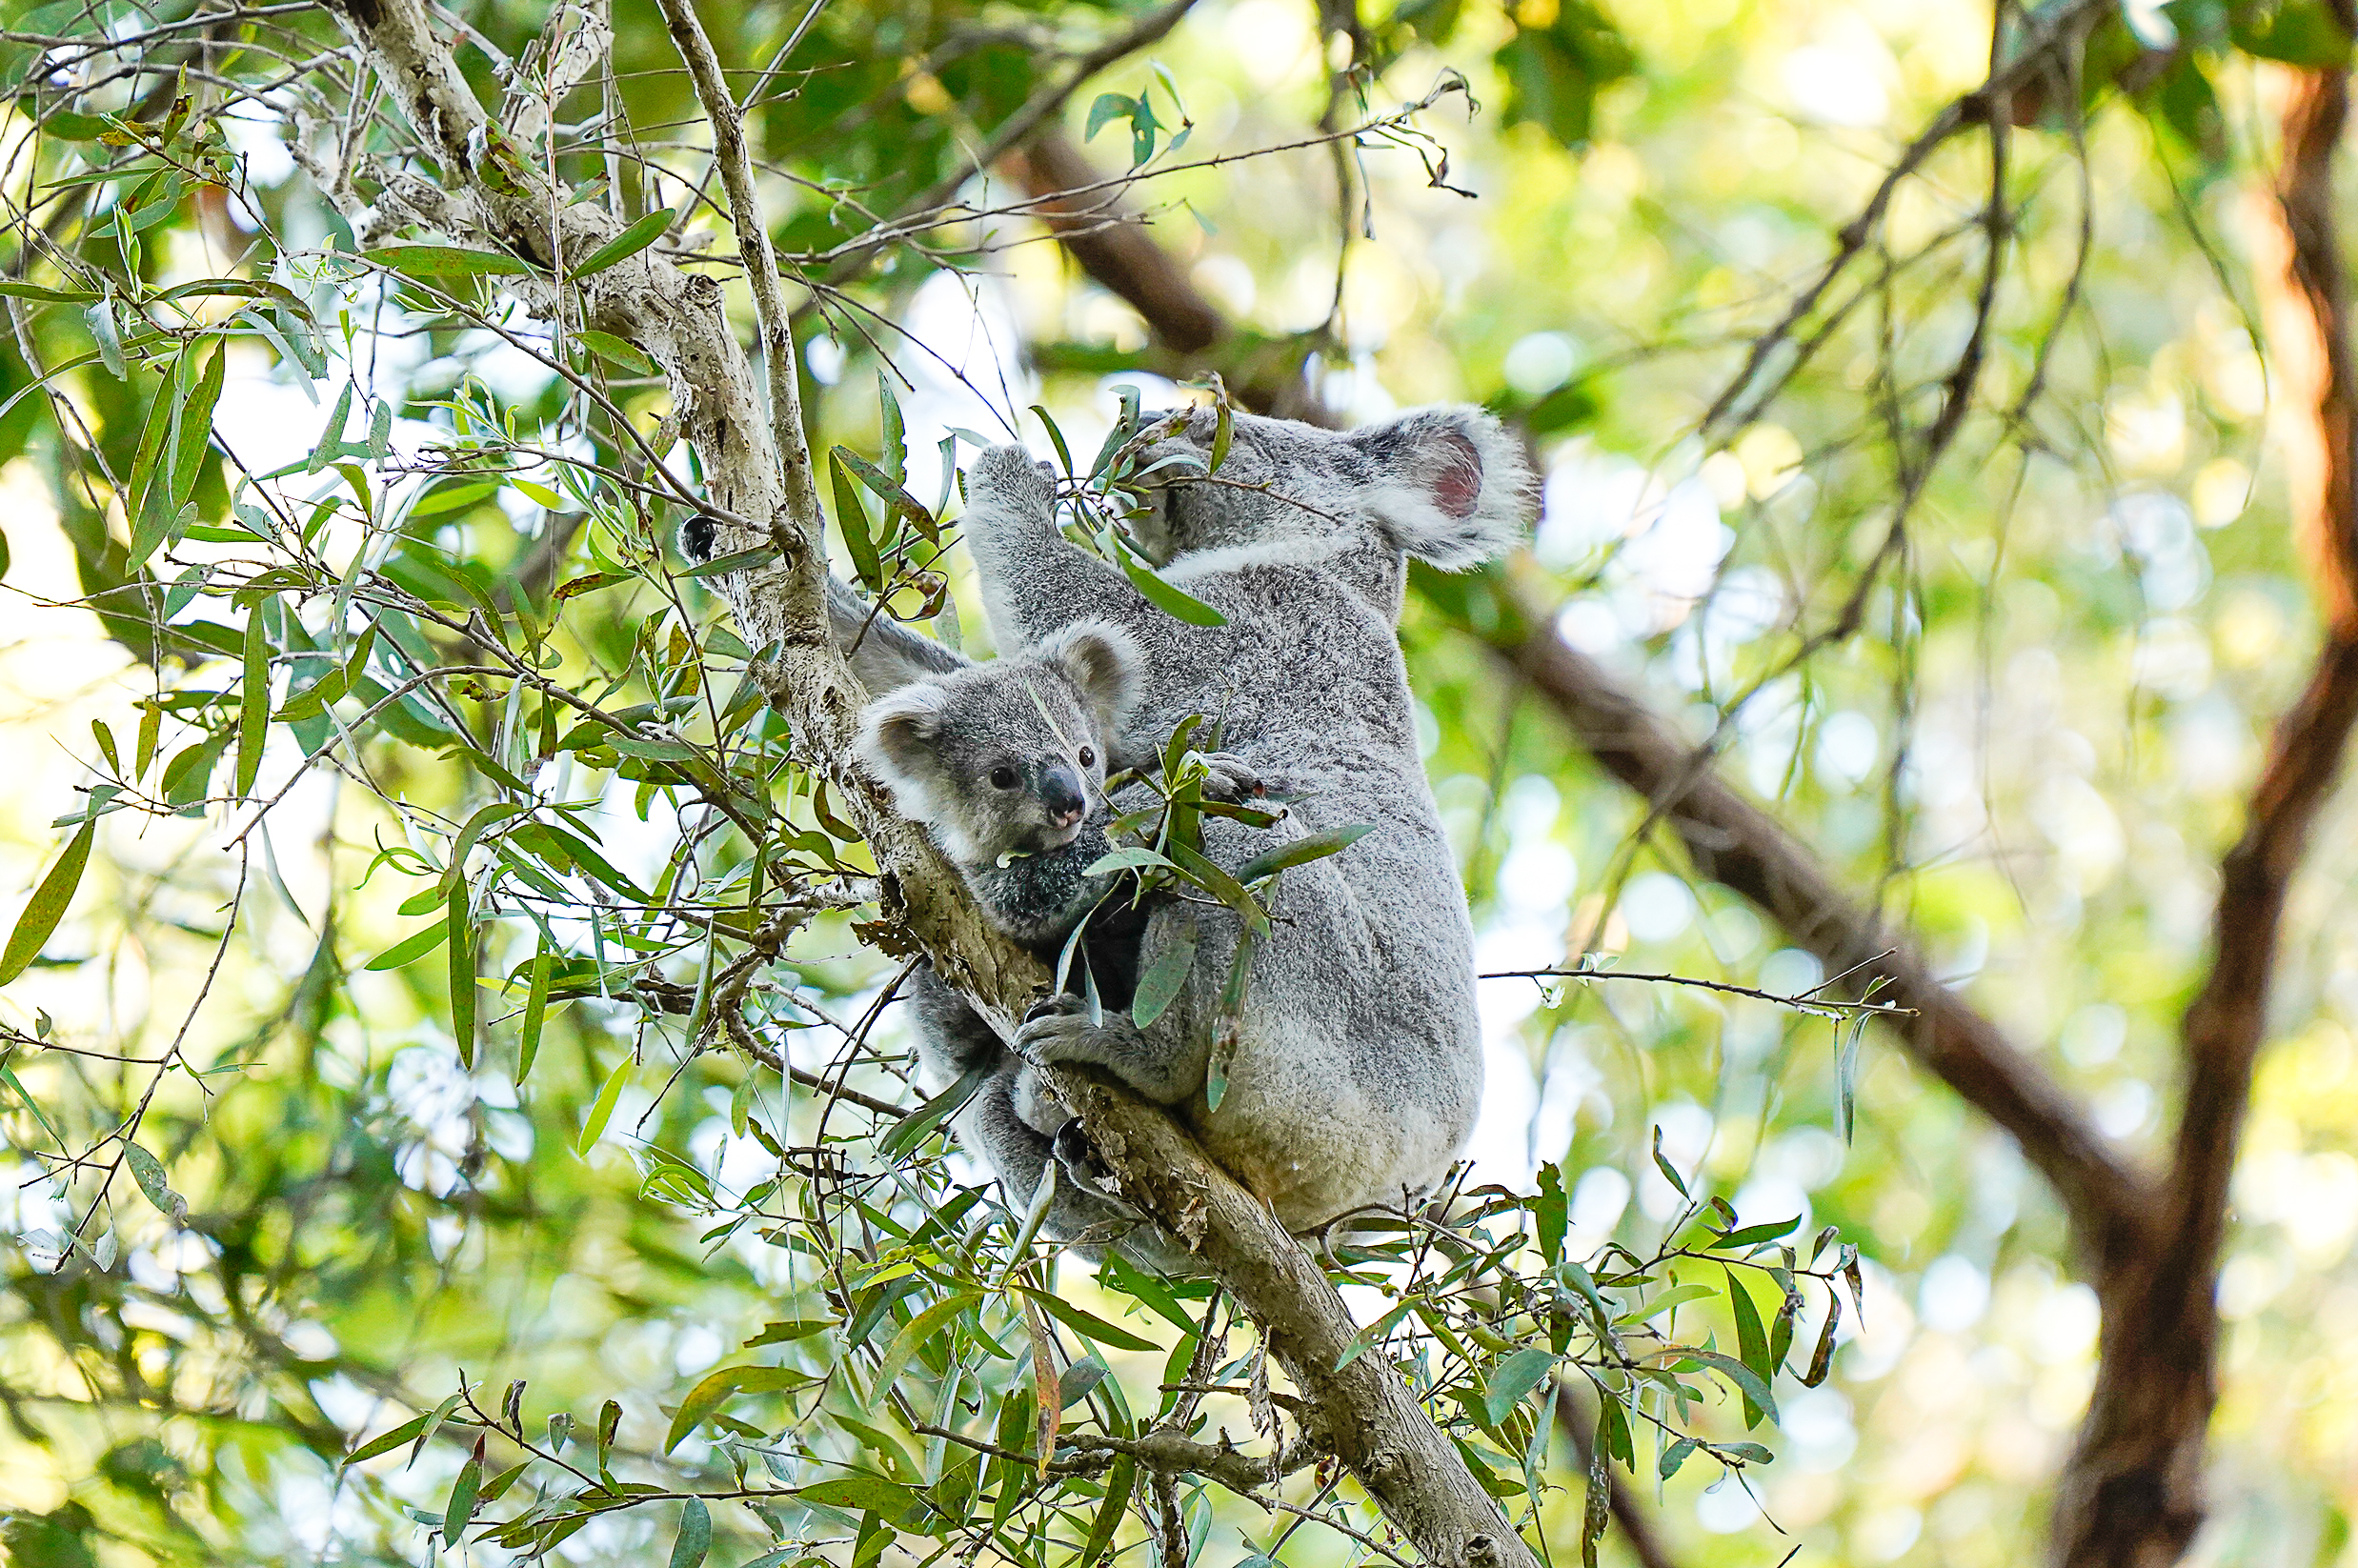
x=1003, y=759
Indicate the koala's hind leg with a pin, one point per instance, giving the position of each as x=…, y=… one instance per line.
x=1156, y=1063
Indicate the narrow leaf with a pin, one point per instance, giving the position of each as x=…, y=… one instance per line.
x=852, y=518
x=149, y=1172
x=254, y=708
x=461, y=940
x=696, y=1520
x=443, y=261
x=1316, y=846
x=536, y=1012
x=48, y=905
x=627, y=244
x=603, y=1109
x=1160, y=986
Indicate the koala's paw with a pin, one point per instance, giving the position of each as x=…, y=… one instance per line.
x=1229, y=777
x=1007, y=476
x=1053, y=1030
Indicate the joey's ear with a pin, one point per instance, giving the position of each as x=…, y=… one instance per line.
x=1106, y=667
x=884, y=653
x=898, y=738
x=1452, y=486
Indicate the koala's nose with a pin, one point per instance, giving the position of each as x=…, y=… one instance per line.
x=1060, y=793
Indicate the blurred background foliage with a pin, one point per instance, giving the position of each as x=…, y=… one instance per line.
x=2032, y=747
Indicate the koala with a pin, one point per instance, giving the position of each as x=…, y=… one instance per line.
x=1356, y=1067
x=1004, y=763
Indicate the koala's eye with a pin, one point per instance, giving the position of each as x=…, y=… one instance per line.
x=1088, y=756
x=1004, y=777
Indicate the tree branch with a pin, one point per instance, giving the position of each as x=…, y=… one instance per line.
x=2133, y=1492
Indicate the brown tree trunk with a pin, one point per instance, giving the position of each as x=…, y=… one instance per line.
x=2132, y=1494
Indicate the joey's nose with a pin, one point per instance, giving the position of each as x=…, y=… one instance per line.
x=1059, y=792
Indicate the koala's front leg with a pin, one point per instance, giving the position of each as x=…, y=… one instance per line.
x=1035, y=581
x=1158, y=1063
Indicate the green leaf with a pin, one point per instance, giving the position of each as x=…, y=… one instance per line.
x=714, y=1389
x=1674, y=1456
x=463, y=1494
x=914, y=1335
x=1160, y=986
x=387, y=1442
x=1109, y=108
x=627, y=354
x=254, y=707
x=12, y=290
x=627, y=244
x=48, y=905
x=462, y=941
x=852, y=519
x=1551, y=1210
x=886, y=489
x=415, y=945
x=695, y=1535
x=602, y=1109
x=536, y=1012
x=1119, y=1482
x=196, y=426
x=911, y=1130
x=1175, y=602
x=100, y=319
x=789, y=1331
x=893, y=443
x=1669, y=1171
x=1088, y=1325
x=149, y=1172
x=1748, y=1381
x=861, y=1494
x=1678, y=1295
x=1514, y=1377
x=1315, y=846
x=443, y=261
x=1129, y=859
x=1753, y=1235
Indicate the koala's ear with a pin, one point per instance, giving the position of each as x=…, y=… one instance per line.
x=1452, y=486
x=898, y=738
x=1106, y=667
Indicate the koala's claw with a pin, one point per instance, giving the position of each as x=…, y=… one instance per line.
x=1047, y=1008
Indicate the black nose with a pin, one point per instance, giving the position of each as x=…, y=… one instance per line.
x=1060, y=792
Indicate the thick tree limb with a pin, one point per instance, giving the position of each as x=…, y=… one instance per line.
x=757, y=469
x=2132, y=1494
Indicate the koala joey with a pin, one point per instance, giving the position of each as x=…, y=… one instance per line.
x=1356, y=1069
x=1004, y=763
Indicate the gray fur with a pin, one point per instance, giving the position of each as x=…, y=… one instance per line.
x=1359, y=1067
x=943, y=728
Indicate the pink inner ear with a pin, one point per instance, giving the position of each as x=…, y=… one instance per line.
x=1457, y=489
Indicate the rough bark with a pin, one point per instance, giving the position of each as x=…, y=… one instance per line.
x=2132, y=1496
x=756, y=468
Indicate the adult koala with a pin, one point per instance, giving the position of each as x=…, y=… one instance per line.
x=1358, y=1065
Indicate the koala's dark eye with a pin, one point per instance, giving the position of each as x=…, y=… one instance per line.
x=1088, y=756
x=1003, y=778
